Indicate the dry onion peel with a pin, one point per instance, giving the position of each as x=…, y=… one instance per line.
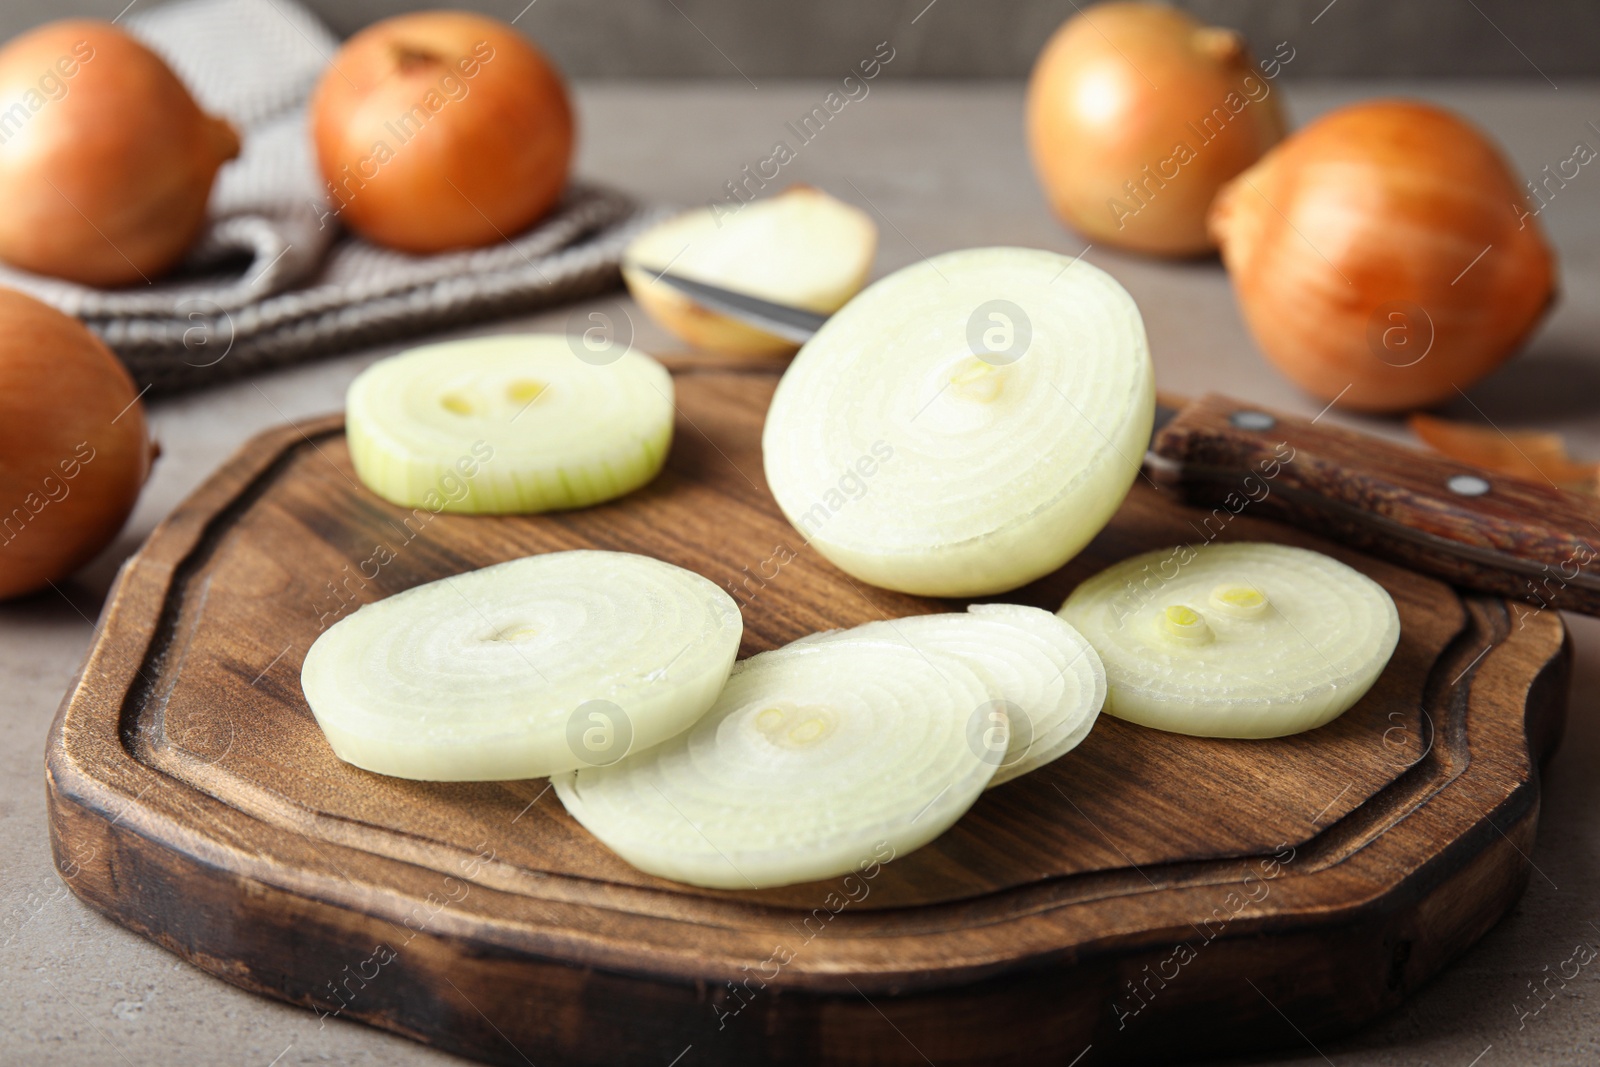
x=1241, y=640
x=523, y=669
x=515, y=423
x=1002, y=397
x=802, y=248
x=1532, y=454
x=438, y=130
x=1384, y=255
x=108, y=160
x=1040, y=673
x=811, y=760
x=74, y=448
x=1137, y=114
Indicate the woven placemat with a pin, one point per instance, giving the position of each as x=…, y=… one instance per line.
x=273, y=280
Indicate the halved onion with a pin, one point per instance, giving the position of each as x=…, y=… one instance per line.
x=516, y=423
x=965, y=425
x=812, y=760
x=1042, y=676
x=802, y=248
x=1235, y=640
x=523, y=669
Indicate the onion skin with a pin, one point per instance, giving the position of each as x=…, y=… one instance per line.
x=105, y=182
x=1376, y=205
x=1114, y=92
x=699, y=327
x=1532, y=454
x=805, y=245
x=490, y=159
x=69, y=474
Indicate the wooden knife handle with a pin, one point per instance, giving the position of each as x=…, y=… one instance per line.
x=1480, y=529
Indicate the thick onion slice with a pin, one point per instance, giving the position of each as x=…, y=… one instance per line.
x=516, y=423
x=812, y=760
x=1235, y=640
x=802, y=248
x=1040, y=673
x=523, y=669
x=966, y=424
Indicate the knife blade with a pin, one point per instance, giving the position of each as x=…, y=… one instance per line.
x=800, y=325
x=1487, y=531
x=780, y=320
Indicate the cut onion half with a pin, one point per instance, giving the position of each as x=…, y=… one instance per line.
x=1040, y=673
x=515, y=423
x=802, y=248
x=967, y=424
x=1235, y=640
x=813, y=761
x=523, y=669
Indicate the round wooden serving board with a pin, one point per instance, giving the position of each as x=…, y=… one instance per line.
x=1147, y=896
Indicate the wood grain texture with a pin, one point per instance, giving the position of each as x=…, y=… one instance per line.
x=1532, y=541
x=1150, y=895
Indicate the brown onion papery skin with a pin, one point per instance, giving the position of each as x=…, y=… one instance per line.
x=1158, y=70
x=69, y=474
x=1372, y=205
x=482, y=167
x=105, y=184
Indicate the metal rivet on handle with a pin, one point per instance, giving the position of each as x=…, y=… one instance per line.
x=1252, y=420
x=1467, y=485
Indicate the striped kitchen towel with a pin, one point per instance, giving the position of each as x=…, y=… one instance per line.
x=273, y=280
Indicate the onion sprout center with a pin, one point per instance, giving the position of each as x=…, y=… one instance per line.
x=518, y=394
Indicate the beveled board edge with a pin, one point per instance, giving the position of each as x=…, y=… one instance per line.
x=108, y=791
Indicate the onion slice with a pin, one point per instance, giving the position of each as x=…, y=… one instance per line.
x=516, y=423
x=966, y=424
x=523, y=669
x=813, y=758
x=1235, y=640
x=802, y=248
x=1042, y=676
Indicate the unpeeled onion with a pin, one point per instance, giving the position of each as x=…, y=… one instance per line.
x=1136, y=115
x=440, y=130
x=106, y=161
x=74, y=450
x=1385, y=255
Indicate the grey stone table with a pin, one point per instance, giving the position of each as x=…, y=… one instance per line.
x=942, y=167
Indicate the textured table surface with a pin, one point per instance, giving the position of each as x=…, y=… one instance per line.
x=942, y=167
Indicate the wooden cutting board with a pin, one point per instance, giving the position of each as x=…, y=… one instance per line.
x=1148, y=896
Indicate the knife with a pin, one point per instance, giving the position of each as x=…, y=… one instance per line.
x=1479, y=529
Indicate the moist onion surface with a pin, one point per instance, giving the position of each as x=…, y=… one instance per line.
x=966, y=424
x=515, y=423
x=802, y=248
x=1235, y=640
x=1042, y=676
x=523, y=669
x=812, y=760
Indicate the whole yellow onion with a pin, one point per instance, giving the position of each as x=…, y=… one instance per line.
x=1137, y=114
x=439, y=130
x=1385, y=255
x=106, y=161
x=74, y=450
